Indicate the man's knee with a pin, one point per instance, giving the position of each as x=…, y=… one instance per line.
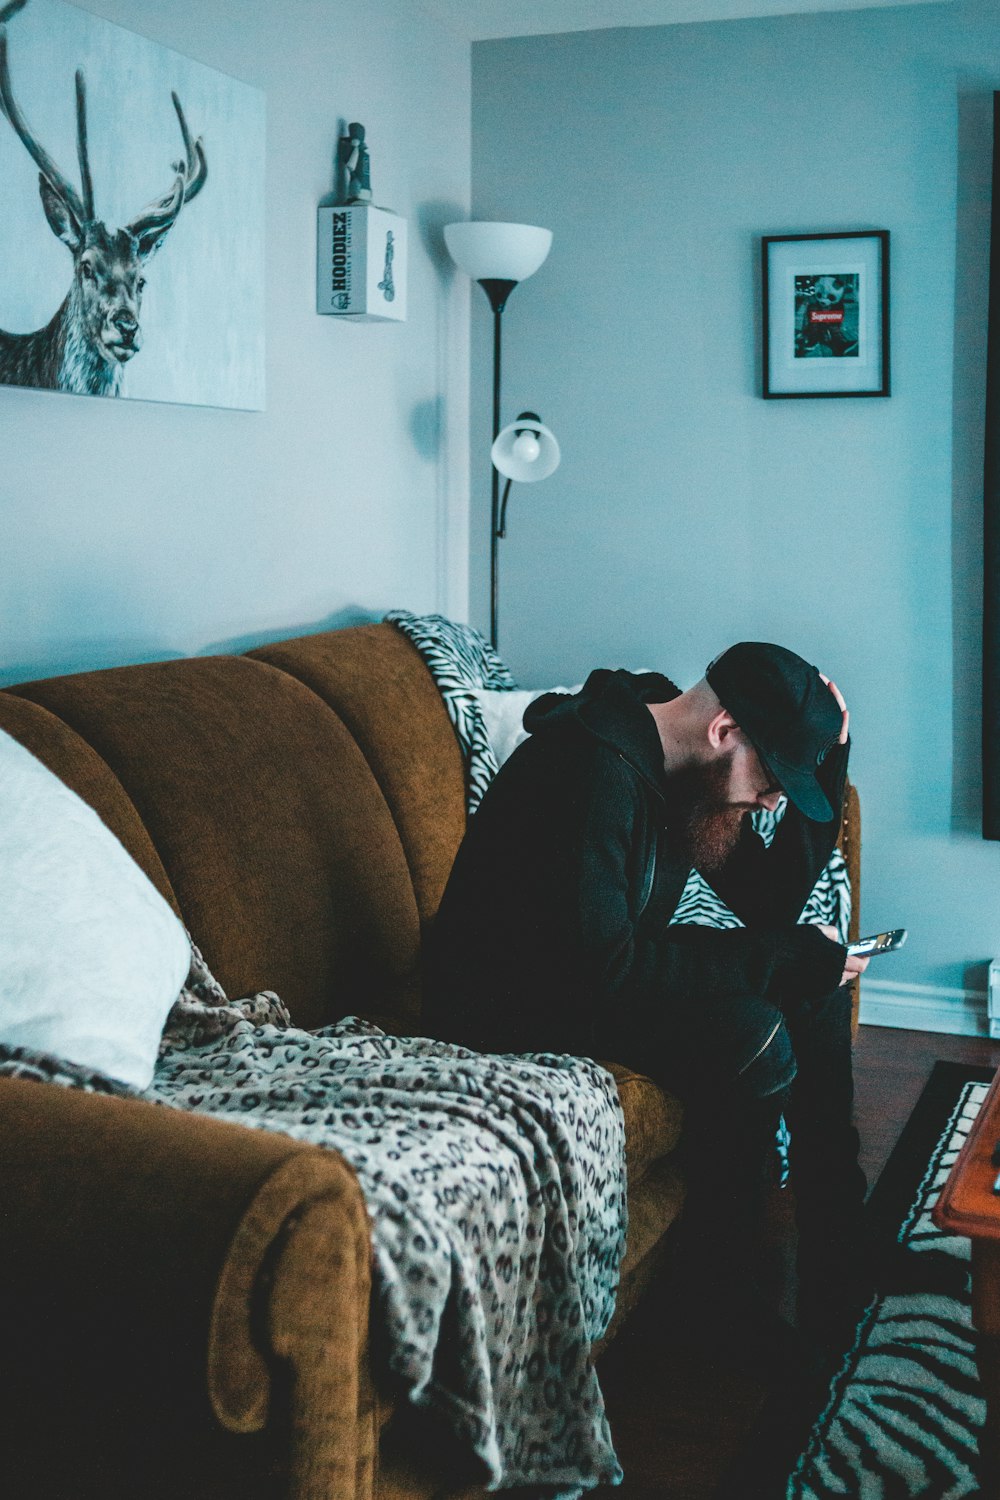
x=770, y=1067
x=821, y=1026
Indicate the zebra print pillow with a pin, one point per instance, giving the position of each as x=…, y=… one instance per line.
x=459, y=659
x=829, y=901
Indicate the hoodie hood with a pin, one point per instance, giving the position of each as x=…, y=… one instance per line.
x=610, y=706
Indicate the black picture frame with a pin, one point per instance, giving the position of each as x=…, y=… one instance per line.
x=991, y=521
x=825, y=314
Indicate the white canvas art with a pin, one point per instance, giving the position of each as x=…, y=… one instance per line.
x=131, y=215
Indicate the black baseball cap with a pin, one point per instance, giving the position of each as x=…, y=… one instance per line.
x=786, y=711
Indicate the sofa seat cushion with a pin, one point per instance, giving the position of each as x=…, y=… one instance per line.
x=652, y=1120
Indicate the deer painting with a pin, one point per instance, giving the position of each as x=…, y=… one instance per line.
x=95, y=332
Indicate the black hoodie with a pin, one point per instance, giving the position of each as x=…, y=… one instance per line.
x=553, y=932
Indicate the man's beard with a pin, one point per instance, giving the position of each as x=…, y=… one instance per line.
x=706, y=823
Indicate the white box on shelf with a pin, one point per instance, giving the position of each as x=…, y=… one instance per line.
x=361, y=263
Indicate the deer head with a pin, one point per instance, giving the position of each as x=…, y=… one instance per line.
x=105, y=299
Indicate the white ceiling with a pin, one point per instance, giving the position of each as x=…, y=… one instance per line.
x=479, y=20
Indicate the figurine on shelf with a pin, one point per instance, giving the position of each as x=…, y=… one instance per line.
x=356, y=161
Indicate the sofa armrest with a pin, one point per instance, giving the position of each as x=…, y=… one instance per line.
x=295, y=1292
x=162, y=1273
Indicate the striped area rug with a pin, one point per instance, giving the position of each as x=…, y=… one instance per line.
x=904, y=1412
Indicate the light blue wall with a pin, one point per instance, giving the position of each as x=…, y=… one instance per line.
x=131, y=530
x=688, y=512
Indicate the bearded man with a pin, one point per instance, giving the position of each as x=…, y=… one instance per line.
x=555, y=934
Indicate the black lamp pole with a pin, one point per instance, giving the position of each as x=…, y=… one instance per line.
x=497, y=291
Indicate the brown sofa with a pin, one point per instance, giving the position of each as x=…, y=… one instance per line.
x=185, y=1302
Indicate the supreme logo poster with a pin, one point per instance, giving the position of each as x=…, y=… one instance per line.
x=826, y=314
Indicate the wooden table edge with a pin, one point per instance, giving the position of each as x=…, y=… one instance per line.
x=967, y=1204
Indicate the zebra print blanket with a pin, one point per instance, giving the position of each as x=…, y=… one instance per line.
x=496, y=1192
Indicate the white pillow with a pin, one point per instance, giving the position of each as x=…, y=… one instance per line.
x=503, y=711
x=91, y=956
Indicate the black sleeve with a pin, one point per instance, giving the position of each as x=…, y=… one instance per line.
x=764, y=886
x=643, y=963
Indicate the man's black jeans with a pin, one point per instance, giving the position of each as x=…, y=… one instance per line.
x=737, y=1064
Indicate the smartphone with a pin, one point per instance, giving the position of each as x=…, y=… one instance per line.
x=879, y=942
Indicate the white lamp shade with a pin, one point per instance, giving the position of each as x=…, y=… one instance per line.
x=486, y=250
x=526, y=461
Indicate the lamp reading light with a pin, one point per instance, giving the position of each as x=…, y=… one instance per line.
x=527, y=451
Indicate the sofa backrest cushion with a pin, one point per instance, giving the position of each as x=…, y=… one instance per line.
x=84, y=772
x=377, y=683
x=270, y=827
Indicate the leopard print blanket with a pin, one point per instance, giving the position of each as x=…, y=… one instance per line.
x=496, y=1192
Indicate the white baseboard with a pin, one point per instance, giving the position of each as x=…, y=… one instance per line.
x=923, y=1007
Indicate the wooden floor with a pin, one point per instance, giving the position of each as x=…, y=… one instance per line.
x=678, y=1426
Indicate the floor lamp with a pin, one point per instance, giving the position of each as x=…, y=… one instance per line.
x=498, y=256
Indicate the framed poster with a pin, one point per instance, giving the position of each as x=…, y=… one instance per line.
x=131, y=215
x=826, y=314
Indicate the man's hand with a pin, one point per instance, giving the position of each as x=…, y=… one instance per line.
x=835, y=690
x=854, y=965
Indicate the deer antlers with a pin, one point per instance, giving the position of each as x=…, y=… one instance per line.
x=81, y=145
x=152, y=223
x=58, y=183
